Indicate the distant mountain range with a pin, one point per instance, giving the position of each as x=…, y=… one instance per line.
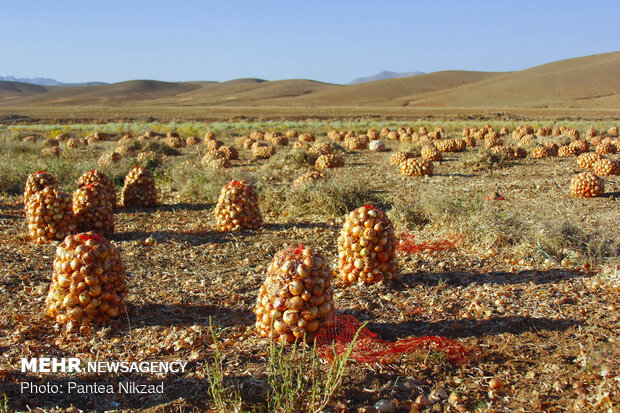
x=45, y=81
x=384, y=75
x=589, y=82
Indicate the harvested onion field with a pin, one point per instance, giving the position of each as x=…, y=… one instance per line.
x=493, y=251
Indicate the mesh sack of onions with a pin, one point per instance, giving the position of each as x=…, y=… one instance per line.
x=567, y=150
x=97, y=177
x=244, y=141
x=139, y=189
x=125, y=150
x=209, y=136
x=175, y=142
x=329, y=161
x=367, y=247
x=586, y=185
x=230, y=152
x=304, y=146
x=580, y=146
x=306, y=137
x=215, y=163
x=52, y=152
x=430, y=153
x=109, y=160
x=397, y=157
x=214, y=144
x=49, y=214
x=36, y=182
x=279, y=140
x=257, y=135
x=373, y=134
x=73, y=143
x=335, y=136
x=88, y=282
x=416, y=167
x=263, y=150
x=587, y=159
x=192, y=140
x=377, y=146
x=309, y=177
x=93, y=210
x=51, y=143
x=355, y=143
x=296, y=297
x=237, y=207
x=321, y=148
x=606, y=167
x=605, y=148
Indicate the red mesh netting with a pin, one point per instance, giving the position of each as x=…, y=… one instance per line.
x=299, y=249
x=96, y=237
x=370, y=349
x=407, y=243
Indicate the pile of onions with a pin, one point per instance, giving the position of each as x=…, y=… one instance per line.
x=296, y=297
x=139, y=189
x=329, y=160
x=88, y=282
x=93, y=210
x=430, y=153
x=367, y=247
x=309, y=177
x=98, y=177
x=36, y=182
x=49, y=214
x=586, y=185
x=262, y=150
x=237, y=208
x=416, y=167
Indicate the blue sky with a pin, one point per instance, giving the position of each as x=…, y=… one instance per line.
x=331, y=41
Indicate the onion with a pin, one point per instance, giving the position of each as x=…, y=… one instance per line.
x=296, y=287
x=290, y=317
x=296, y=303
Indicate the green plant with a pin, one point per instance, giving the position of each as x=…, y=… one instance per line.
x=297, y=382
x=224, y=398
x=4, y=406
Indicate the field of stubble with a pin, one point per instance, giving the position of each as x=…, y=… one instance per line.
x=494, y=253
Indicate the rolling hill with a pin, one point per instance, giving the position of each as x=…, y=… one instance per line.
x=579, y=82
x=584, y=82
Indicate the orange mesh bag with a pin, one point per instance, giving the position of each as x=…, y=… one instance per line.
x=237, y=207
x=296, y=298
x=368, y=348
x=366, y=247
x=407, y=243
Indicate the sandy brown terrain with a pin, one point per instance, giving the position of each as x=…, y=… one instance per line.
x=580, y=87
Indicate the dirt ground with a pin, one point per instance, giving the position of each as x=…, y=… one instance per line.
x=139, y=112
x=542, y=337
